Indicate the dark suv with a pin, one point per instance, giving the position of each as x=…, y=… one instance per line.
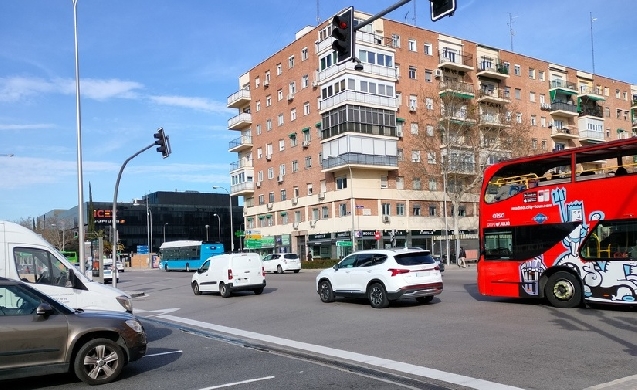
x=42, y=336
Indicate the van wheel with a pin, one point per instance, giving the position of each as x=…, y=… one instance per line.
x=99, y=361
x=279, y=269
x=166, y=267
x=258, y=291
x=187, y=267
x=195, y=288
x=224, y=290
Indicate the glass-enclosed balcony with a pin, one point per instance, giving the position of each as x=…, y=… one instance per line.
x=360, y=160
x=357, y=98
x=591, y=129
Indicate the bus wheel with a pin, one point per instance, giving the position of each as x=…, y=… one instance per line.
x=563, y=290
x=187, y=267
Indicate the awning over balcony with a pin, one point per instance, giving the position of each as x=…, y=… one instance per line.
x=292, y=135
x=305, y=129
x=318, y=125
x=595, y=98
x=284, y=213
x=400, y=120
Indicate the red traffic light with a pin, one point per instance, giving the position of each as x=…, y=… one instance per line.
x=342, y=24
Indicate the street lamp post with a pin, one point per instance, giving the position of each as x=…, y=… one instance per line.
x=353, y=206
x=231, y=228
x=207, y=226
x=165, y=232
x=219, y=220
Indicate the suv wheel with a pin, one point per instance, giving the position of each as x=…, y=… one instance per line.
x=99, y=361
x=377, y=296
x=325, y=291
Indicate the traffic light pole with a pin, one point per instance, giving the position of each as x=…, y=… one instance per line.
x=114, y=216
x=381, y=14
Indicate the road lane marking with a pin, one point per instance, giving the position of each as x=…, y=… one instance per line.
x=629, y=382
x=432, y=373
x=238, y=383
x=163, y=353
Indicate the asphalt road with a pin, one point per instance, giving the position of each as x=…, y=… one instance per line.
x=460, y=341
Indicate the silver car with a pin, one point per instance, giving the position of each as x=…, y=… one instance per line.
x=41, y=336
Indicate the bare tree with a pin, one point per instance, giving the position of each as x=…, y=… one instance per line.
x=459, y=132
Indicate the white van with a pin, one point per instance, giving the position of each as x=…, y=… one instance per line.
x=26, y=256
x=230, y=272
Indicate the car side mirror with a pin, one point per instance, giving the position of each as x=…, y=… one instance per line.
x=44, y=309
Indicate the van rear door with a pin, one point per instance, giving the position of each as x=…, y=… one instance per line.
x=246, y=269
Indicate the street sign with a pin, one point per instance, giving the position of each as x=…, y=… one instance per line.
x=142, y=249
x=377, y=235
x=344, y=243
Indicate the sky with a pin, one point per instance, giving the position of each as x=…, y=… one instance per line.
x=173, y=64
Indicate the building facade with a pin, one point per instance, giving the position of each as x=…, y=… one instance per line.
x=326, y=153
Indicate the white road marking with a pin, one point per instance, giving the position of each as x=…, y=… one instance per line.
x=163, y=353
x=150, y=313
x=629, y=382
x=474, y=383
x=238, y=383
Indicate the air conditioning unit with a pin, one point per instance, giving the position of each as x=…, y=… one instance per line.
x=312, y=223
x=314, y=84
x=268, y=157
x=258, y=184
x=270, y=206
x=438, y=73
x=279, y=178
x=266, y=83
x=399, y=133
x=290, y=97
x=306, y=144
x=295, y=200
x=295, y=225
x=386, y=218
x=412, y=107
x=321, y=195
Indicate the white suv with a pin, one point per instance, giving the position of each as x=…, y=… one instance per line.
x=281, y=262
x=382, y=276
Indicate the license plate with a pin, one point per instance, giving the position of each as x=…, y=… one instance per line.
x=420, y=274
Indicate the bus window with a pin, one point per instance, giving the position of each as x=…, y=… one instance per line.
x=611, y=239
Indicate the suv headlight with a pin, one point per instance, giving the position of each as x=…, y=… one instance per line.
x=126, y=302
x=135, y=325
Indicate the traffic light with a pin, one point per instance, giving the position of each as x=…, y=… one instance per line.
x=343, y=34
x=163, y=141
x=442, y=8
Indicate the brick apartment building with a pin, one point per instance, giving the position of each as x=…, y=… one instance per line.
x=323, y=150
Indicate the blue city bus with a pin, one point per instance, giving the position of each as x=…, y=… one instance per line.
x=186, y=255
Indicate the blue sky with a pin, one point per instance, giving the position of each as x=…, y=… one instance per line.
x=172, y=64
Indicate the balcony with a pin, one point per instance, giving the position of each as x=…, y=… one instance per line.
x=243, y=163
x=564, y=86
x=591, y=129
x=492, y=120
x=634, y=123
x=488, y=69
x=595, y=111
x=370, y=38
x=454, y=61
x=240, y=121
x=495, y=96
x=246, y=188
x=634, y=105
x=590, y=93
x=239, y=98
x=462, y=168
x=563, y=109
x=457, y=89
x=370, y=69
x=357, y=98
x=239, y=144
x=563, y=133
x=359, y=160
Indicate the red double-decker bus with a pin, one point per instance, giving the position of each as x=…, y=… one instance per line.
x=562, y=226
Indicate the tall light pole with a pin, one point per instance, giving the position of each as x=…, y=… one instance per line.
x=219, y=220
x=165, y=232
x=149, y=234
x=80, y=180
x=207, y=226
x=353, y=206
x=231, y=228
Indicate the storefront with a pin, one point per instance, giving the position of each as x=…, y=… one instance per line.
x=320, y=245
x=343, y=244
x=367, y=240
x=394, y=238
x=424, y=239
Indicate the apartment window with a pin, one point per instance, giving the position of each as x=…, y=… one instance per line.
x=259, y=155
x=617, y=93
x=430, y=130
x=518, y=93
x=415, y=156
x=606, y=91
x=533, y=120
x=292, y=114
x=607, y=112
x=383, y=182
x=267, y=76
x=280, y=119
x=291, y=62
x=619, y=113
x=532, y=73
x=428, y=48
x=268, y=124
x=415, y=210
x=542, y=98
x=400, y=183
x=507, y=92
x=258, y=129
x=293, y=141
x=516, y=70
x=429, y=103
x=414, y=128
x=541, y=75
x=428, y=75
x=432, y=211
x=295, y=166
x=412, y=45
x=433, y=184
x=543, y=121
x=308, y=162
x=281, y=145
x=270, y=173
x=307, y=136
x=310, y=189
x=416, y=183
x=258, y=105
x=271, y=197
x=625, y=94
x=431, y=157
x=341, y=183
x=401, y=155
x=268, y=101
x=342, y=209
x=257, y=82
x=395, y=40
x=279, y=95
x=284, y=219
x=518, y=117
x=325, y=212
x=400, y=209
x=386, y=208
x=315, y=214
x=532, y=96
x=534, y=144
x=283, y=195
x=279, y=69
x=305, y=81
x=292, y=88
x=543, y=144
x=304, y=54
x=261, y=199
x=413, y=102
x=297, y=216
x=412, y=72
x=306, y=108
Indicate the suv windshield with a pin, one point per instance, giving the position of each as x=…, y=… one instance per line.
x=414, y=258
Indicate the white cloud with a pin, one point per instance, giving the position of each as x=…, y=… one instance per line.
x=18, y=88
x=194, y=103
x=27, y=127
